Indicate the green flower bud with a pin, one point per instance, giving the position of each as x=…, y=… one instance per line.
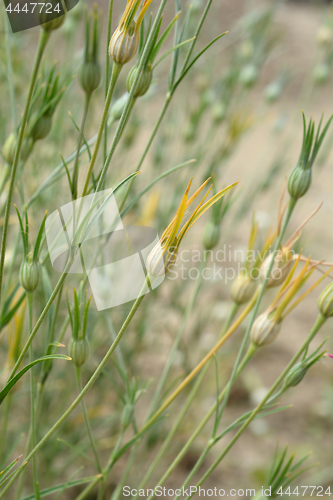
x=299, y=181
x=301, y=176
x=144, y=81
x=124, y=44
x=48, y=21
x=211, y=235
x=243, y=289
x=265, y=330
x=10, y=148
x=248, y=75
x=41, y=128
x=295, y=375
x=90, y=72
x=30, y=273
x=79, y=351
x=90, y=76
x=325, y=302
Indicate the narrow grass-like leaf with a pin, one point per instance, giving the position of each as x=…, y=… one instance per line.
x=17, y=377
x=59, y=487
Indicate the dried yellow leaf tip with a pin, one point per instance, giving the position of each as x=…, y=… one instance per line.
x=164, y=254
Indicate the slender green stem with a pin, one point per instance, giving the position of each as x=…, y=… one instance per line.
x=107, y=71
x=86, y=420
x=84, y=391
x=165, y=373
x=149, y=143
x=40, y=321
x=201, y=364
x=212, y=441
x=4, y=424
x=291, y=206
x=79, y=144
x=318, y=324
x=128, y=106
x=178, y=338
x=43, y=38
x=203, y=423
x=238, y=364
x=10, y=73
x=116, y=69
x=32, y=399
x=173, y=429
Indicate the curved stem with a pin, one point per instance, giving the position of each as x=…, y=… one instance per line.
x=202, y=363
x=199, y=429
x=318, y=324
x=116, y=69
x=84, y=391
x=86, y=419
x=107, y=72
x=32, y=399
x=38, y=324
x=212, y=441
x=79, y=144
x=43, y=38
x=144, y=154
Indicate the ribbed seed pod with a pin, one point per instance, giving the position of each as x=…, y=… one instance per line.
x=280, y=269
x=79, y=351
x=90, y=76
x=325, y=302
x=10, y=148
x=243, y=289
x=41, y=128
x=299, y=181
x=265, y=330
x=296, y=375
x=144, y=81
x=124, y=44
x=29, y=274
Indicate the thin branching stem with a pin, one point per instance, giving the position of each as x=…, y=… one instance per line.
x=43, y=38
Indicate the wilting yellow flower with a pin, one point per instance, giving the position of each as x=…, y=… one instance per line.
x=164, y=254
x=285, y=256
x=125, y=39
x=267, y=326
